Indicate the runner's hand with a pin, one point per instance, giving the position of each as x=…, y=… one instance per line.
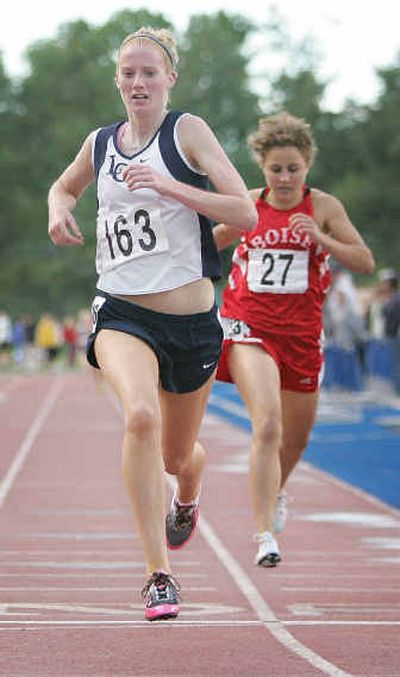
x=305, y=225
x=143, y=176
x=63, y=229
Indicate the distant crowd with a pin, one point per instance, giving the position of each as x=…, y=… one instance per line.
x=366, y=322
x=353, y=317
x=45, y=342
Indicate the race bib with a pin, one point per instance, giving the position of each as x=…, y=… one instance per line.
x=98, y=301
x=278, y=271
x=126, y=236
x=234, y=329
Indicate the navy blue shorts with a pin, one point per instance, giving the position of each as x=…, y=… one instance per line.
x=187, y=347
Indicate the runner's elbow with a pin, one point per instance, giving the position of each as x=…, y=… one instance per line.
x=250, y=217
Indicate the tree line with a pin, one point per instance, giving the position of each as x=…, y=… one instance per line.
x=69, y=90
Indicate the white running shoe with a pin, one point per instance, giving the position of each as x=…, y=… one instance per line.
x=268, y=554
x=281, y=511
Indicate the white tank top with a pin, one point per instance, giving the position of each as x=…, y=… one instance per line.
x=146, y=242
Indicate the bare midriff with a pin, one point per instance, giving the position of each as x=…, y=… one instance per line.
x=195, y=297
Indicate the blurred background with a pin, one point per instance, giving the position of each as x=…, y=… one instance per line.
x=235, y=64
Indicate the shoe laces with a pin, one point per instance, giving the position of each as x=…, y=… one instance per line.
x=160, y=580
x=283, y=500
x=264, y=537
x=183, y=515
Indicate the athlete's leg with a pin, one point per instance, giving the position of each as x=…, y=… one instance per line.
x=257, y=377
x=298, y=416
x=183, y=455
x=131, y=368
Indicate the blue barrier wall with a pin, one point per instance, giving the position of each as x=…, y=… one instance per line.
x=343, y=368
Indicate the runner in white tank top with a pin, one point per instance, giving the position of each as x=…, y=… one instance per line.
x=156, y=337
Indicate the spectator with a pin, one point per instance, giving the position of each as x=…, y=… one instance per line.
x=19, y=342
x=70, y=335
x=391, y=308
x=47, y=338
x=346, y=328
x=391, y=314
x=5, y=338
x=382, y=293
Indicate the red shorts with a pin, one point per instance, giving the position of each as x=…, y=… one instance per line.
x=300, y=360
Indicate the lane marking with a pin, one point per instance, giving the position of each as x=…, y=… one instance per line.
x=84, y=536
x=342, y=589
x=355, y=623
x=8, y=481
x=319, y=609
x=59, y=624
x=366, y=577
x=84, y=565
x=129, y=588
x=178, y=624
x=262, y=609
x=89, y=608
x=381, y=542
x=70, y=551
x=92, y=576
x=367, y=561
x=359, y=519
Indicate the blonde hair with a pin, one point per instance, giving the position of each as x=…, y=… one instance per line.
x=282, y=129
x=161, y=38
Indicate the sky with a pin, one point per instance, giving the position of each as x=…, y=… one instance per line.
x=353, y=38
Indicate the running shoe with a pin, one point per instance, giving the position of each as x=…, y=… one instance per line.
x=281, y=511
x=161, y=597
x=268, y=554
x=181, y=522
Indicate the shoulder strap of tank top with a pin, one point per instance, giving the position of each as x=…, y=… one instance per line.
x=100, y=145
x=171, y=156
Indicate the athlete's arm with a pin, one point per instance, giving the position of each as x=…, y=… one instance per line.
x=333, y=230
x=231, y=204
x=225, y=235
x=64, y=194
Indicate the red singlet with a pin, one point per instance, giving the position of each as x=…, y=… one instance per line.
x=277, y=286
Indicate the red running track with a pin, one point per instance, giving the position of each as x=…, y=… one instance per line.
x=71, y=567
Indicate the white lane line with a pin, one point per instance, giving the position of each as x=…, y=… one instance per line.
x=262, y=609
x=29, y=440
x=317, y=577
x=71, y=551
x=92, y=576
x=85, y=536
x=177, y=624
x=341, y=589
x=117, y=565
x=129, y=588
x=357, y=623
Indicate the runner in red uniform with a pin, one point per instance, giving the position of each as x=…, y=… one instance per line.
x=272, y=311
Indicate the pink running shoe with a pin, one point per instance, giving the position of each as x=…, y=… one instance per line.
x=180, y=523
x=161, y=597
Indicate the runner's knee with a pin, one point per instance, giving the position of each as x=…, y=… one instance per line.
x=141, y=421
x=267, y=430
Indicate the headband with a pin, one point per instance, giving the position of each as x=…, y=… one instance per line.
x=148, y=36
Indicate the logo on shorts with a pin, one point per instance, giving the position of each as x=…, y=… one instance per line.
x=306, y=381
x=207, y=365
